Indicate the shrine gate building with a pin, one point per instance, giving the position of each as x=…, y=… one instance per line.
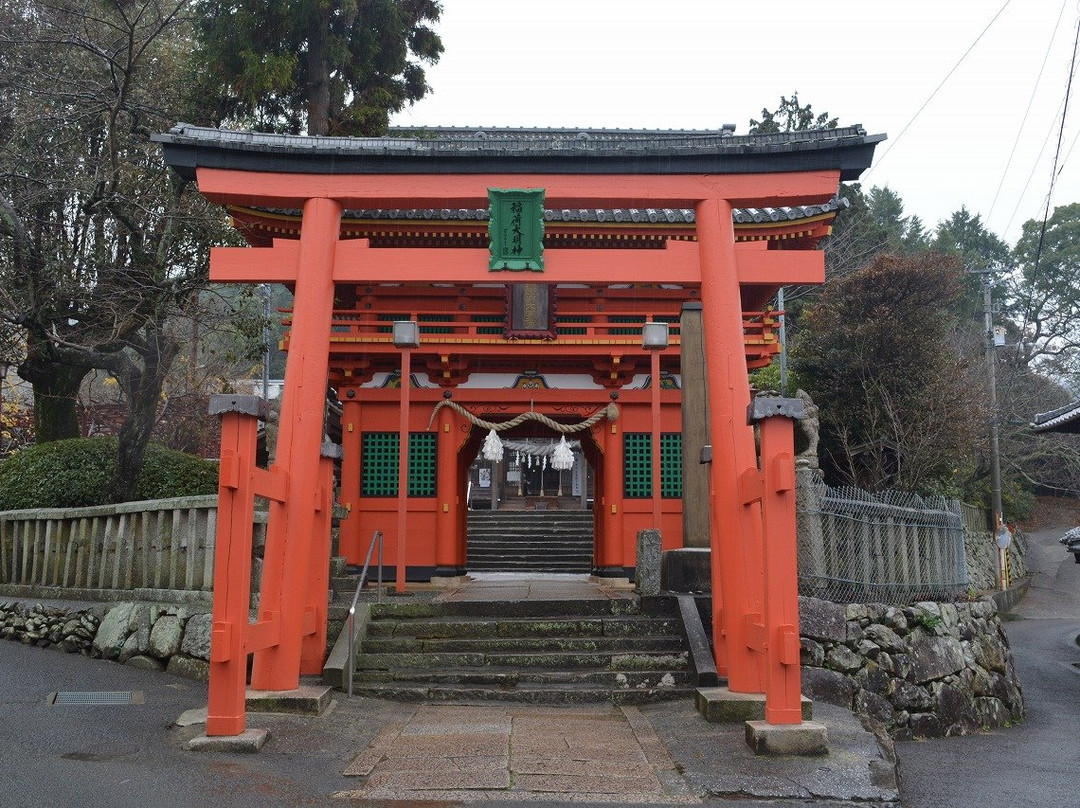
x=634, y=228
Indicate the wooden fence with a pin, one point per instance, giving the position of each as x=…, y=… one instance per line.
x=159, y=544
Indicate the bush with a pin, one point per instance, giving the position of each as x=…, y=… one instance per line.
x=74, y=473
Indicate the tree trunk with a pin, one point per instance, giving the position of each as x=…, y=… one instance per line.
x=318, y=71
x=134, y=438
x=56, y=392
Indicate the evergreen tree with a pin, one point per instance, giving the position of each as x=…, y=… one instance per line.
x=327, y=67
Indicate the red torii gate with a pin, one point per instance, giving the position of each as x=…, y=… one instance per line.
x=755, y=609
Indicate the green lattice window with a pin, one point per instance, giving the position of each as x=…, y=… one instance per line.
x=671, y=465
x=379, y=464
x=422, y=464
x=637, y=465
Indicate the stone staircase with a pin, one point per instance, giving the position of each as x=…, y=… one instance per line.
x=539, y=651
x=530, y=541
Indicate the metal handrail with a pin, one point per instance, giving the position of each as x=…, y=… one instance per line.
x=350, y=621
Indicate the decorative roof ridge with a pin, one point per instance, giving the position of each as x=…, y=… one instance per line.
x=848, y=149
x=458, y=139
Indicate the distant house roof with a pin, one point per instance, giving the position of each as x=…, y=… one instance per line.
x=545, y=151
x=1063, y=419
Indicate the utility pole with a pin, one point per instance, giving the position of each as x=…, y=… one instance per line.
x=995, y=455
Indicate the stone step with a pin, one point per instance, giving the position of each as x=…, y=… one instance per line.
x=566, y=567
x=532, y=545
x=546, y=694
x=530, y=645
x=557, y=660
x=572, y=609
x=531, y=552
x=611, y=626
x=498, y=677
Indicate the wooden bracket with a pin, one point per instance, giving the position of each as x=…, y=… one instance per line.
x=751, y=486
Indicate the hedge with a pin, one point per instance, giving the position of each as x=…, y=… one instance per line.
x=74, y=473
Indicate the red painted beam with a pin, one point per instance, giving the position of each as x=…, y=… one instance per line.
x=232, y=187
x=780, y=267
x=356, y=262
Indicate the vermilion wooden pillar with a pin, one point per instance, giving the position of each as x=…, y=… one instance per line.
x=226, y=709
x=285, y=572
x=446, y=501
x=313, y=645
x=349, y=539
x=611, y=517
x=735, y=526
x=783, y=694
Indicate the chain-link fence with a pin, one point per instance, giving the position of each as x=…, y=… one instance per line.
x=890, y=547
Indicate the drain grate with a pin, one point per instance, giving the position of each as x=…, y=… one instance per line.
x=97, y=698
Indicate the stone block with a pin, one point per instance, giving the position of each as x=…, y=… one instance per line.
x=719, y=705
x=306, y=699
x=189, y=667
x=807, y=738
x=250, y=740
x=686, y=569
x=137, y=644
x=884, y=637
x=647, y=565
x=822, y=620
x=875, y=706
x=841, y=658
x=196, y=641
x=166, y=636
x=113, y=631
x=146, y=663
x=829, y=686
x=935, y=658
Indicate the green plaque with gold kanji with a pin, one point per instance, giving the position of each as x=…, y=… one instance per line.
x=516, y=228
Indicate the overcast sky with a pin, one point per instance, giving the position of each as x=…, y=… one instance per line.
x=698, y=64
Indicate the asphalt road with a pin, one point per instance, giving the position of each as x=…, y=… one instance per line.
x=1035, y=764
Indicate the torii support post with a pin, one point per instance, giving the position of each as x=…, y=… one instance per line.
x=735, y=524
x=349, y=539
x=303, y=404
x=313, y=646
x=232, y=638
x=783, y=693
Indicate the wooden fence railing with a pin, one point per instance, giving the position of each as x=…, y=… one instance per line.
x=157, y=544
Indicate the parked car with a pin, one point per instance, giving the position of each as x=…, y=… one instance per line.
x=1071, y=540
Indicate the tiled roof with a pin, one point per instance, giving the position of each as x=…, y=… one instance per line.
x=1063, y=419
x=479, y=150
x=617, y=215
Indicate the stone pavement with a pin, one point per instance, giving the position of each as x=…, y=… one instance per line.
x=661, y=754
x=470, y=752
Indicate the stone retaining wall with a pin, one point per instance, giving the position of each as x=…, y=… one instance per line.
x=150, y=636
x=924, y=671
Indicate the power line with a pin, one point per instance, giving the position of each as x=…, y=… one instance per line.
x=1053, y=173
x=926, y=103
x=1034, y=168
x=1023, y=119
